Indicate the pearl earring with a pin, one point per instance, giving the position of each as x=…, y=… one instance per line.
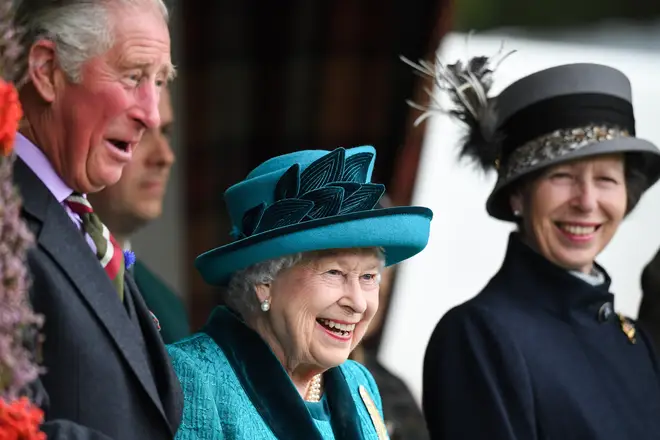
x=516, y=213
x=265, y=305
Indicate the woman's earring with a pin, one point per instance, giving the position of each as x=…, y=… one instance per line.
x=265, y=305
x=516, y=213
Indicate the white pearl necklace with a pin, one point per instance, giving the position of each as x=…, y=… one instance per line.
x=314, y=391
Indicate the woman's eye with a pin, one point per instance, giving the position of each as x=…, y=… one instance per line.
x=335, y=272
x=608, y=179
x=371, y=277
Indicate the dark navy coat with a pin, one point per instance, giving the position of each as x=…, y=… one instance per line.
x=539, y=354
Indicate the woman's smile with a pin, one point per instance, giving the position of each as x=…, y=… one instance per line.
x=577, y=232
x=340, y=330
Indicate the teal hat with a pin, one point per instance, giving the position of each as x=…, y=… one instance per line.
x=313, y=200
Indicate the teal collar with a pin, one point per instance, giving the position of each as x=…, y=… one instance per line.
x=319, y=410
x=270, y=389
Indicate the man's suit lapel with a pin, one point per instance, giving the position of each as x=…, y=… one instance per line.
x=170, y=388
x=66, y=245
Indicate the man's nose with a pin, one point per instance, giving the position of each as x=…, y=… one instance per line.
x=146, y=108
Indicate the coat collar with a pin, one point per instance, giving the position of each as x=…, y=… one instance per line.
x=535, y=279
x=270, y=389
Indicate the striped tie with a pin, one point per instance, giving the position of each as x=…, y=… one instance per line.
x=108, y=251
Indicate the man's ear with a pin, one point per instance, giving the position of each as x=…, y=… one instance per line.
x=42, y=66
x=263, y=292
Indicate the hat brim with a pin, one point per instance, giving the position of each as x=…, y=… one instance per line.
x=498, y=204
x=401, y=231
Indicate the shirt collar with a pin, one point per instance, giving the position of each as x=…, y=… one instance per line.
x=595, y=278
x=37, y=161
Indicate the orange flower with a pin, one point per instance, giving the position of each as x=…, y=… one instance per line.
x=10, y=115
x=20, y=420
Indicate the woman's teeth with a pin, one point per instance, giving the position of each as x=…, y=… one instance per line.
x=336, y=327
x=577, y=230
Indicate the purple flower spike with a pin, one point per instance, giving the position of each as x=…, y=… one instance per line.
x=19, y=325
x=129, y=259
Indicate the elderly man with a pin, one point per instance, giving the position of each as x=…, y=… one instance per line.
x=93, y=72
x=136, y=200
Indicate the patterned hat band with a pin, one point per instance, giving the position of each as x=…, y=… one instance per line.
x=557, y=144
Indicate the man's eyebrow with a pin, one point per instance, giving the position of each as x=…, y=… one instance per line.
x=170, y=72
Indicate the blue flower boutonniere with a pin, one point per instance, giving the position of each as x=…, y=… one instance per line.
x=129, y=259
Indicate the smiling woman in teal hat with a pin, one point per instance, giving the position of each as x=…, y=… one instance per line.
x=302, y=279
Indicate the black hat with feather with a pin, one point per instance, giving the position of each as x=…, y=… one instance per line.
x=557, y=115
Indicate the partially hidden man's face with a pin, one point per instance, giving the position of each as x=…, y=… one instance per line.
x=92, y=127
x=138, y=196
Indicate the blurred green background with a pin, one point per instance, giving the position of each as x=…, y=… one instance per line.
x=488, y=14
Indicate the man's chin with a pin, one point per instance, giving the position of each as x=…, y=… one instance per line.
x=146, y=212
x=109, y=176
x=91, y=187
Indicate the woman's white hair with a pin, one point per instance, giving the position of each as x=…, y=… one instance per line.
x=241, y=296
x=81, y=29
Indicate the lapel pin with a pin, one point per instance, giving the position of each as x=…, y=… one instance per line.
x=156, y=322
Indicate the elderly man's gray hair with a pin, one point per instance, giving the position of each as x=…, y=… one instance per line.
x=240, y=295
x=81, y=29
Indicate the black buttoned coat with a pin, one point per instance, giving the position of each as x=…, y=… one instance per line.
x=539, y=354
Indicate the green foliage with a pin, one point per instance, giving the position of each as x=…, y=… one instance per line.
x=488, y=14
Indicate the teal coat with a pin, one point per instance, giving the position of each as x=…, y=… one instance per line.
x=235, y=388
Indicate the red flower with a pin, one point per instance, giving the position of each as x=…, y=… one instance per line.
x=20, y=420
x=10, y=115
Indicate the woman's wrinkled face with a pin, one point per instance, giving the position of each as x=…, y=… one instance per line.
x=571, y=212
x=321, y=308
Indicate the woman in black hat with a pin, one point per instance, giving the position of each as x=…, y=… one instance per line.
x=540, y=352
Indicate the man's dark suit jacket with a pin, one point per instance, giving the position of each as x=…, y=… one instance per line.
x=108, y=374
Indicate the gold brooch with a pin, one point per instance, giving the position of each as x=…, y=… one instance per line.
x=628, y=328
x=374, y=414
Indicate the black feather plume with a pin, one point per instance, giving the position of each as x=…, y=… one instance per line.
x=467, y=85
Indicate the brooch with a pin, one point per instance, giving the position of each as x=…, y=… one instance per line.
x=156, y=322
x=628, y=328
x=381, y=430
